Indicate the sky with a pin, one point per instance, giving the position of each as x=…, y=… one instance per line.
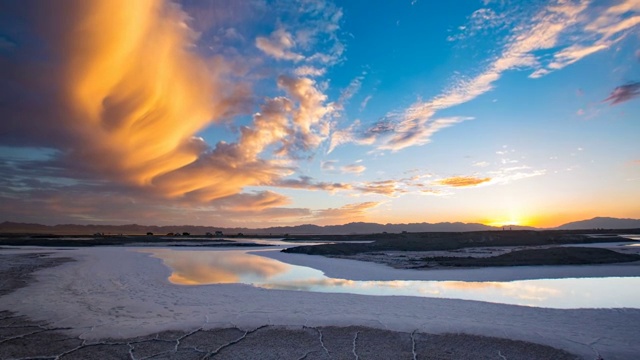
x=262, y=113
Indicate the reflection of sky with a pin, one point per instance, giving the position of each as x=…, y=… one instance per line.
x=201, y=267
x=217, y=267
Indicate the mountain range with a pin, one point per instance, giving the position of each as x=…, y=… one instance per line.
x=308, y=229
x=601, y=223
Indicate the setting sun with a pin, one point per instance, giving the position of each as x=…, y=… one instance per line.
x=504, y=222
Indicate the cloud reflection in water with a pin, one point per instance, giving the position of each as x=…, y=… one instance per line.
x=203, y=267
x=206, y=267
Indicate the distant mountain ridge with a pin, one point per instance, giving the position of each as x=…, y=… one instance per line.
x=306, y=229
x=602, y=223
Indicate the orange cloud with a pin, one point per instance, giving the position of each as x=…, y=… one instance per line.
x=348, y=211
x=462, y=181
x=131, y=93
x=353, y=169
x=253, y=202
x=135, y=91
x=434, y=192
x=383, y=187
x=127, y=92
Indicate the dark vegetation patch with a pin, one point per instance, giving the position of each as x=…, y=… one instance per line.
x=452, y=241
x=550, y=256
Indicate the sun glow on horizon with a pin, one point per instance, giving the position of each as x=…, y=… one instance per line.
x=515, y=219
x=504, y=222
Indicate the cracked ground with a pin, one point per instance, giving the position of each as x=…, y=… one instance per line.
x=22, y=338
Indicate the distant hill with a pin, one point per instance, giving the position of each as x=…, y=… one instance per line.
x=374, y=228
x=307, y=229
x=602, y=223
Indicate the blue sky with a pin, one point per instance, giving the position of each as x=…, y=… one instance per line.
x=261, y=113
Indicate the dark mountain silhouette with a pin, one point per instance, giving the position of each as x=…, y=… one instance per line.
x=307, y=229
x=602, y=223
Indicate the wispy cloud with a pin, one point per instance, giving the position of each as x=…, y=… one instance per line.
x=353, y=169
x=350, y=90
x=624, y=93
x=255, y=201
x=594, y=31
x=435, y=192
x=482, y=21
x=417, y=131
x=309, y=71
x=382, y=187
x=365, y=101
x=328, y=165
x=349, y=211
x=391, y=134
x=278, y=45
x=462, y=181
x=308, y=183
x=556, y=25
x=541, y=32
x=309, y=23
x=510, y=174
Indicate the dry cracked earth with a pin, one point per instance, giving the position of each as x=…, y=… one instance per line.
x=22, y=338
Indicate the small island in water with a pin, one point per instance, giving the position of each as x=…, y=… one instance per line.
x=477, y=249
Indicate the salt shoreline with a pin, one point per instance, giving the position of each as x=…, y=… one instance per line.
x=355, y=269
x=120, y=293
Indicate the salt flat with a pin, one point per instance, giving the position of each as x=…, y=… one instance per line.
x=118, y=292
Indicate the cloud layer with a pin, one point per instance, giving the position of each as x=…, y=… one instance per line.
x=206, y=111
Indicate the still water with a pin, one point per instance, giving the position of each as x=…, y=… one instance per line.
x=205, y=267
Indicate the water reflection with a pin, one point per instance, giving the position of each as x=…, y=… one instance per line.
x=200, y=267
